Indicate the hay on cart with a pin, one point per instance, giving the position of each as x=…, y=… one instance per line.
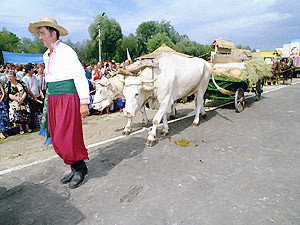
x=254, y=70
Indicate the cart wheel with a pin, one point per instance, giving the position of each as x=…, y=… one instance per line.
x=239, y=100
x=258, y=91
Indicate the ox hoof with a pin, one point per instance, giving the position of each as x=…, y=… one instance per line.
x=150, y=143
x=204, y=115
x=195, y=124
x=164, y=133
x=145, y=124
x=172, y=117
x=126, y=133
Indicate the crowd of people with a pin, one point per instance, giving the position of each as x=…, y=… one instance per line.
x=23, y=89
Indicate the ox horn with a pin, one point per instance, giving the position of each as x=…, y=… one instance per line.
x=140, y=65
x=126, y=72
x=95, y=82
x=222, y=90
x=149, y=81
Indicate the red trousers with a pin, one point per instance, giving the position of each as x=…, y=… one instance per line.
x=65, y=127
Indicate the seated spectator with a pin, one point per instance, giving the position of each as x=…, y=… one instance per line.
x=19, y=112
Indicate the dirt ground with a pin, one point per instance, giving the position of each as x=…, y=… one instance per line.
x=19, y=149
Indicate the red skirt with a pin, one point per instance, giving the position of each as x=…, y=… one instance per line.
x=65, y=127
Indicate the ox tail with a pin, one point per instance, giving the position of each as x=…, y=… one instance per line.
x=222, y=90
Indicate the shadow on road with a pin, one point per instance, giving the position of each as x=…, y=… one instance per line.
x=30, y=203
x=111, y=155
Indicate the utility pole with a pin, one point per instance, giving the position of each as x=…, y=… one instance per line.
x=99, y=28
x=99, y=41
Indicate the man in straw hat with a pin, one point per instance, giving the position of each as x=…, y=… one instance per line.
x=67, y=99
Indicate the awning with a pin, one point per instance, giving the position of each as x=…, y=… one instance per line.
x=12, y=57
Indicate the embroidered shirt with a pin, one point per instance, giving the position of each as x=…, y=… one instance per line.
x=63, y=64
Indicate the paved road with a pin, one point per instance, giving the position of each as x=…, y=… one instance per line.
x=239, y=168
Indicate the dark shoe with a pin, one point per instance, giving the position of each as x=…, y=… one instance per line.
x=80, y=172
x=66, y=179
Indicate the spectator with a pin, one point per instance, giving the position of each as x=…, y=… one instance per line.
x=4, y=118
x=127, y=62
x=96, y=75
x=35, y=91
x=3, y=76
x=40, y=76
x=20, y=72
x=19, y=112
x=88, y=75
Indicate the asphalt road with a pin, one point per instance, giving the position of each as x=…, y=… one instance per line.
x=238, y=168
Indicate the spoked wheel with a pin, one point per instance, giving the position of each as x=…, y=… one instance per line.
x=239, y=100
x=258, y=91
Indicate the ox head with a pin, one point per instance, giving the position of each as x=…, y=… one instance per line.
x=103, y=95
x=135, y=93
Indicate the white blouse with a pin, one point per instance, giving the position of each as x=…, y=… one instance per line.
x=63, y=64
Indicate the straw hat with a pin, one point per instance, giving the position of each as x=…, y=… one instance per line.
x=47, y=21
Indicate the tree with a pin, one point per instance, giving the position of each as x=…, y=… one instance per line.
x=8, y=42
x=37, y=46
x=239, y=46
x=130, y=43
x=165, y=27
x=111, y=36
x=157, y=40
x=25, y=44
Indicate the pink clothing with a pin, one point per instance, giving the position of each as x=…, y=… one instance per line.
x=65, y=127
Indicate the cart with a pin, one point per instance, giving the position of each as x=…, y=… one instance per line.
x=232, y=89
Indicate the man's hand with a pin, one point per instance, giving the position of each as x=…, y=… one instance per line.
x=84, y=110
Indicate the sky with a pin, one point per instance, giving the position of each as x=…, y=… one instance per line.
x=260, y=24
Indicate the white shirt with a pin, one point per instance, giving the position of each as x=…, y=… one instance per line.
x=41, y=81
x=20, y=75
x=63, y=64
x=3, y=78
x=32, y=84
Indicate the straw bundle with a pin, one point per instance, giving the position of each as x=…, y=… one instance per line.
x=255, y=70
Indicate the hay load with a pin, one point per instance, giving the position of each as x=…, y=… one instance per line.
x=250, y=71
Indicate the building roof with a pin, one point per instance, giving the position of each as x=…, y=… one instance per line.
x=162, y=49
x=223, y=44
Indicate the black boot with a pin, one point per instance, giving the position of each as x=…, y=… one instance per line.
x=68, y=178
x=80, y=172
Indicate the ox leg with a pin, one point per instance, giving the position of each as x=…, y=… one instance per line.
x=156, y=120
x=127, y=128
x=173, y=113
x=165, y=131
x=145, y=121
x=199, y=108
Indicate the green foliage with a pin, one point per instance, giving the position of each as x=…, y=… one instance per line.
x=111, y=36
x=239, y=46
x=157, y=40
x=8, y=42
x=130, y=43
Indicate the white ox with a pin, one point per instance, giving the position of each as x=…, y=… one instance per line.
x=109, y=89
x=176, y=77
